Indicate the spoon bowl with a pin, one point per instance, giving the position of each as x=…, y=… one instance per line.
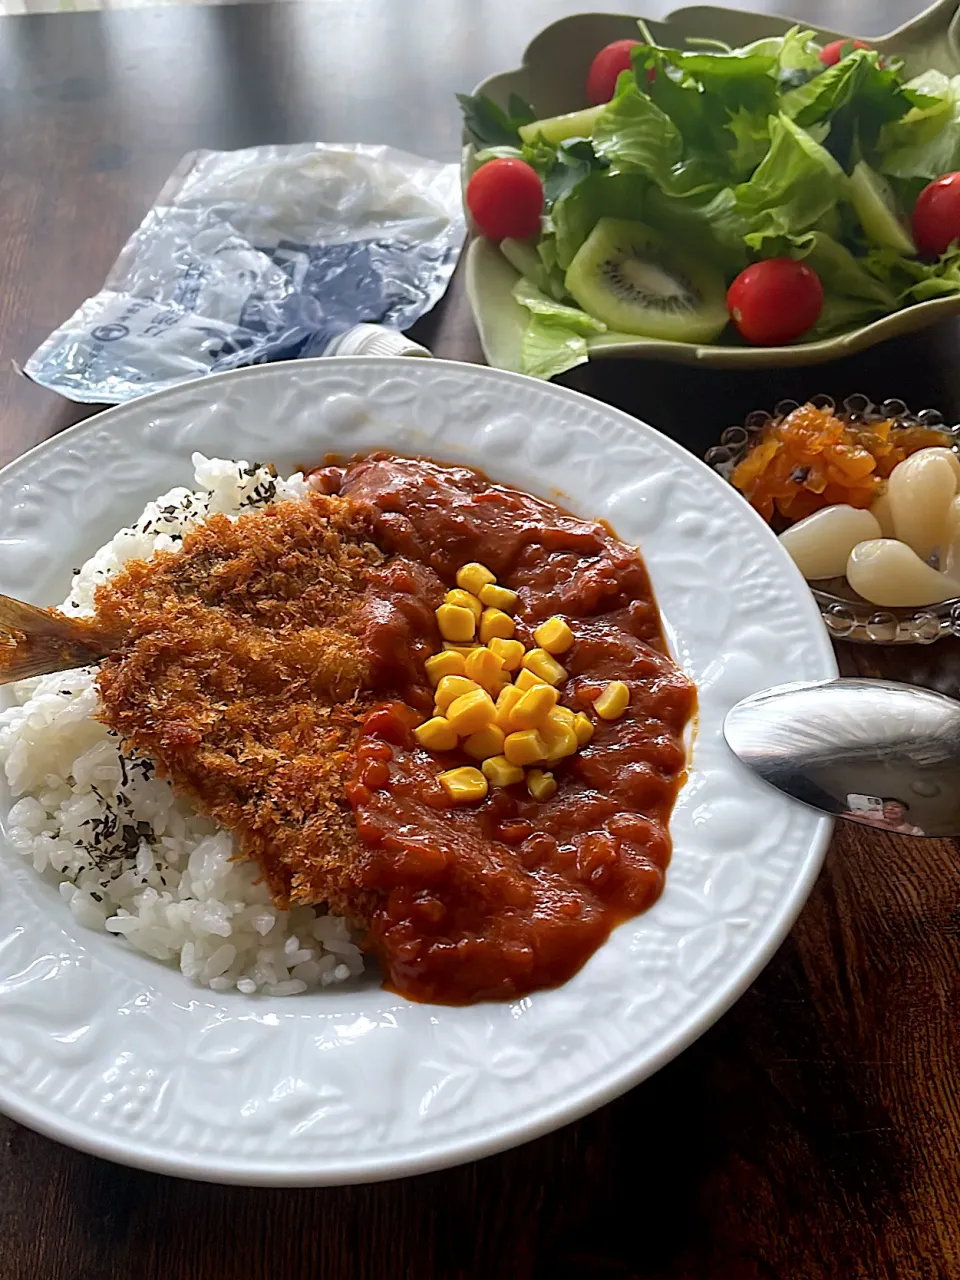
x=875, y=752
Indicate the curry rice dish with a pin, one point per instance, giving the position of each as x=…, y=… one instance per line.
x=391, y=704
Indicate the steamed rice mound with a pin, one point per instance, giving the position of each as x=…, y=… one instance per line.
x=130, y=857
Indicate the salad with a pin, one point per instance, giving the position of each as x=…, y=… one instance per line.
x=777, y=193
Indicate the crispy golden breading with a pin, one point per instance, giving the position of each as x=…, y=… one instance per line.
x=242, y=676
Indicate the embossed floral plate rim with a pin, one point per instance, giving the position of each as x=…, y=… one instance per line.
x=116, y=1055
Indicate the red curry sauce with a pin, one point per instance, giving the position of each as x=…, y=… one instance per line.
x=494, y=900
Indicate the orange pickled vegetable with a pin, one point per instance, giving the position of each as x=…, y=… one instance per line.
x=812, y=458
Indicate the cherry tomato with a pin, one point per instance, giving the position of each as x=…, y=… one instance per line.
x=505, y=197
x=936, y=215
x=606, y=66
x=775, y=301
x=831, y=53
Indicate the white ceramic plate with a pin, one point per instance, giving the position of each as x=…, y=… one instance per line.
x=118, y=1055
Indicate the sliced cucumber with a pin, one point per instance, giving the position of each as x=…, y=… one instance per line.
x=876, y=208
x=625, y=275
x=556, y=129
x=522, y=255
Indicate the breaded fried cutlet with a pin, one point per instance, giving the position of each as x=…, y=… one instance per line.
x=242, y=676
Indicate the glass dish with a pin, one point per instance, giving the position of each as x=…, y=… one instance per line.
x=848, y=616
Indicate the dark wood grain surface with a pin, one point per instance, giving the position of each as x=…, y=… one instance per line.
x=814, y=1131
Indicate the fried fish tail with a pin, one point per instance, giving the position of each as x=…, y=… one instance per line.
x=36, y=642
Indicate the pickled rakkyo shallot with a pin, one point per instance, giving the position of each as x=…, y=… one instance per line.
x=902, y=552
x=887, y=572
x=950, y=541
x=882, y=512
x=821, y=544
x=920, y=490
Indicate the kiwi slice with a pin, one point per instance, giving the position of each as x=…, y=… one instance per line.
x=556, y=129
x=876, y=208
x=624, y=275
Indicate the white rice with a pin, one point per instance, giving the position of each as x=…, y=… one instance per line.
x=132, y=859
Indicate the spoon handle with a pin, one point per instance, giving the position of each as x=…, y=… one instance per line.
x=36, y=642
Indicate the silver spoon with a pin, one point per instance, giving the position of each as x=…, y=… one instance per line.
x=882, y=754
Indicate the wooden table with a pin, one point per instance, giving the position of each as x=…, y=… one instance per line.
x=813, y=1132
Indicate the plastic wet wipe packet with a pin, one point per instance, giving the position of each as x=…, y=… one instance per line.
x=265, y=254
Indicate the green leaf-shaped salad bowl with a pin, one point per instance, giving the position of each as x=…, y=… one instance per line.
x=731, y=139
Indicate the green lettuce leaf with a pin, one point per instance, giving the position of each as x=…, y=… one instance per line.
x=911, y=280
x=529, y=296
x=637, y=135
x=796, y=185
x=795, y=50
x=555, y=338
x=742, y=78
x=906, y=190
x=710, y=227
x=719, y=102
x=858, y=290
x=599, y=195
x=549, y=347
x=925, y=143
x=852, y=294
x=700, y=119
x=859, y=78
x=633, y=133
x=857, y=96
x=750, y=131
x=563, y=167
x=924, y=122
x=489, y=125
